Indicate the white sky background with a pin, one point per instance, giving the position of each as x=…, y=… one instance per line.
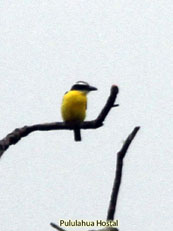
x=45, y=46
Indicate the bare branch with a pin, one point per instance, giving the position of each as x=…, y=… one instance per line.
x=19, y=133
x=117, y=181
x=57, y=227
x=109, y=104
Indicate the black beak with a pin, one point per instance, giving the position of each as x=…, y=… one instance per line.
x=92, y=88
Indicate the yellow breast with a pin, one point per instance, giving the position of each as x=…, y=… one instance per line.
x=74, y=106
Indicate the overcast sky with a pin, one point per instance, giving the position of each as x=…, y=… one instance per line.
x=46, y=46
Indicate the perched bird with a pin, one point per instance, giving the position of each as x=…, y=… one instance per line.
x=74, y=105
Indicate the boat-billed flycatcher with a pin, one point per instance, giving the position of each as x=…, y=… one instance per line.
x=74, y=105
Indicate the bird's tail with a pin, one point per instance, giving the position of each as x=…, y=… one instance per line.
x=77, y=134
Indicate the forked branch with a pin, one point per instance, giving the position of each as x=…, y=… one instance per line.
x=19, y=133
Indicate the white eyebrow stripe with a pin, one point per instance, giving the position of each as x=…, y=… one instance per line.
x=82, y=83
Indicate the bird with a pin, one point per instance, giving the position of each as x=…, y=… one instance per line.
x=74, y=105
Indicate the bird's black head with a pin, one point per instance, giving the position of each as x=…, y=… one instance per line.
x=83, y=86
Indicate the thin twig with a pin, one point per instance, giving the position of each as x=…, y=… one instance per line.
x=19, y=133
x=117, y=181
x=57, y=227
